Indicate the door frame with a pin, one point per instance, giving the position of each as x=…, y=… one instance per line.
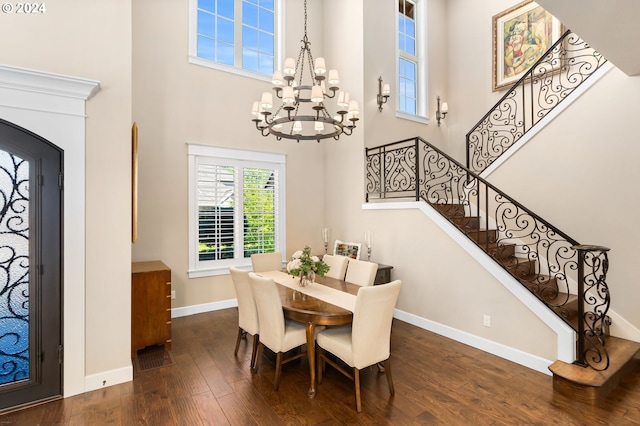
x=53, y=106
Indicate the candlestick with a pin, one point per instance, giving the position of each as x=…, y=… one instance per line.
x=325, y=238
x=368, y=241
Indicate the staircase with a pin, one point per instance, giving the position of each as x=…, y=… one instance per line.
x=574, y=380
x=568, y=277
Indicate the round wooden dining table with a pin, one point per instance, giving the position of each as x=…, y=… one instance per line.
x=313, y=312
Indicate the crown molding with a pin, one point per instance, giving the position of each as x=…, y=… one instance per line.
x=47, y=83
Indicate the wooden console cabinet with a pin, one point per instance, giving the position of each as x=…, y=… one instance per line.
x=150, y=305
x=383, y=275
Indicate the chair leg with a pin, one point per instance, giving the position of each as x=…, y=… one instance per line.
x=387, y=370
x=256, y=338
x=319, y=363
x=258, y=358
x=276, y=382
x=356, y=380
x=240, y=332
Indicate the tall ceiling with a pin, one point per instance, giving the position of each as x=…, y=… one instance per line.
x=611, y=27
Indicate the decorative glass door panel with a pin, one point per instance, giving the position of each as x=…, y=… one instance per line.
x=14, y=269
x=30, y=268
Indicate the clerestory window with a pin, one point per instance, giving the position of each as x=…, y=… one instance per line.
x=240, y=36
x=411, y=59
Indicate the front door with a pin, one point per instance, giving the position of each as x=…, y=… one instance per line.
x=30, y=268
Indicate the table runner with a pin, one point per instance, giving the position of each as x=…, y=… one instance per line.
x=330, y=295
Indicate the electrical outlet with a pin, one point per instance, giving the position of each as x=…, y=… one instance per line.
x=173, y=294
x=486, y=321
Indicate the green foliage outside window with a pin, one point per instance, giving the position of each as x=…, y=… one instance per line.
x=216, y=230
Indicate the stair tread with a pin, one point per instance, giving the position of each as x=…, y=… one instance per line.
x=515, y=260
x=621, y=351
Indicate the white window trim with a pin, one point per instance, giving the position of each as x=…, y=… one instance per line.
x=276, y=160
x=279, y=44
x=422, y=107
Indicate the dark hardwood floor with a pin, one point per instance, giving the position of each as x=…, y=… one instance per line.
x=437, y=382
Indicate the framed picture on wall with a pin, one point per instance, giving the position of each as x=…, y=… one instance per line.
x=521, y=36
x=341, y=248
x=134, y=182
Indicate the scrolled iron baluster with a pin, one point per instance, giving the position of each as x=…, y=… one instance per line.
x=566, y=65
x=399, y=168
x=593, y=292
x=373, y=178
x=391, y=170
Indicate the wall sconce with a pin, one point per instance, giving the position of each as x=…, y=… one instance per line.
x=383, y=93
x=441, y=112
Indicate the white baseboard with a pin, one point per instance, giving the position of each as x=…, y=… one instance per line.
x=125, y=374
x=622, y=328
x=205, y=307
x=511, y=354
x=108, y=378
x=497, y=349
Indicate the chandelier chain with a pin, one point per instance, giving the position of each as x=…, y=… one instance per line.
x=305, y=20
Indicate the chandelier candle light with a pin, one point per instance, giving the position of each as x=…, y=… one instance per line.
x=303, y=114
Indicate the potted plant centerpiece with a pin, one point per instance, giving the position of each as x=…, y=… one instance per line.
x=305, y=266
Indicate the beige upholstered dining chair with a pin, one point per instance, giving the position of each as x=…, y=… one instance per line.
x=361, y=272
x=367, y=341
x=278, y=334
x=247, y=312
x=266, y=261
x=337, y=265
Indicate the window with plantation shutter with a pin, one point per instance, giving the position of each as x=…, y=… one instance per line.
x=216, y=188
x=236, y=207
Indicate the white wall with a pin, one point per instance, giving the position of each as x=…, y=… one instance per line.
x=380, y=60
x=175, y=103
x=93, y=40
x=442, y=283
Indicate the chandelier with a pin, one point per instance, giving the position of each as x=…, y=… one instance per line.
x=302, y=114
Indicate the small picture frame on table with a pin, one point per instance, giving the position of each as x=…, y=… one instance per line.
x=352, y=250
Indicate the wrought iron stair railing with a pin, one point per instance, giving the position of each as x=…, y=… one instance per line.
x=567, y=276
x=549, y=81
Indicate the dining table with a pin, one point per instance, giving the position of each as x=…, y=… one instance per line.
x=324, y=302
